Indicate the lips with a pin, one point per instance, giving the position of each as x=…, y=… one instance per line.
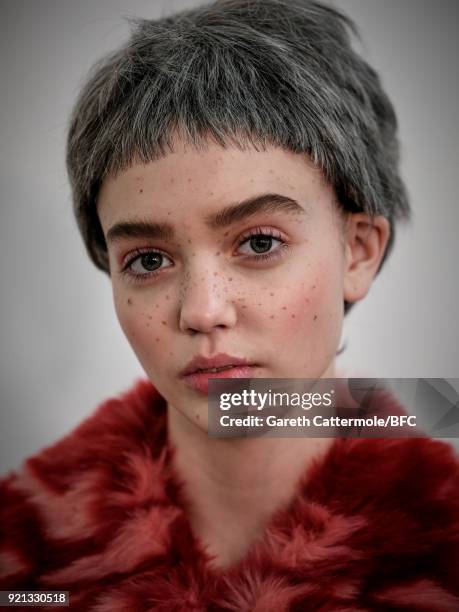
x=222, y=360
x=215, y=370
x=200, y=369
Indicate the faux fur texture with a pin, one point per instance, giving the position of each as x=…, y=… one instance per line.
x=374, y=526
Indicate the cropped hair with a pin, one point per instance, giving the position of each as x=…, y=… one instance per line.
x=243, y=73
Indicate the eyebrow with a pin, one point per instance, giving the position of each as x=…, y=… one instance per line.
x=266, y=203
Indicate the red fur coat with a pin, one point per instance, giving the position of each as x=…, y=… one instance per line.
x=374, y=526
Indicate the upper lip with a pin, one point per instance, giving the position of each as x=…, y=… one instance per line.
x=199, y=362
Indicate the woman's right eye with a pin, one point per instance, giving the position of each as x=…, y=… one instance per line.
x=146, y=263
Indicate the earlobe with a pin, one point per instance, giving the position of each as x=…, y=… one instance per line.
x=365, y=242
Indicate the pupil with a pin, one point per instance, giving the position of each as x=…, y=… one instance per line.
x=151, y=261
x=261, y=243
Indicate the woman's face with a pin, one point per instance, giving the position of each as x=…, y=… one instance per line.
x=234, y=252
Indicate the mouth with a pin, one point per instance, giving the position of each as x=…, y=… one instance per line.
x=214, y=370
x=198, y=377
x=217, y=362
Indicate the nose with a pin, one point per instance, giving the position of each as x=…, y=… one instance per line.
x=204, y=303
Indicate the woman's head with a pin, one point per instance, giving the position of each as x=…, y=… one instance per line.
x=218, y=105
x=244, y=253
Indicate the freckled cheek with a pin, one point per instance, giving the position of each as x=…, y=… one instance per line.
x=299, y=310
x=315, y=302
x=322, y=309
x=144, y=327
x=319, y=295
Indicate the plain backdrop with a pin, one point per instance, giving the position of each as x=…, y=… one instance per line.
x=62, y=350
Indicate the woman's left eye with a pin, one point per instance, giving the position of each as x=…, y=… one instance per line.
x=260, y=243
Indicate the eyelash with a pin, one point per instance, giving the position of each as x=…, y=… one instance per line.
x=258, y=231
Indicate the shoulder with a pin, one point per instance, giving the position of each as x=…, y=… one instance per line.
x=377, y=463
x=403, y=497
x=59, y=495
x=412, y=480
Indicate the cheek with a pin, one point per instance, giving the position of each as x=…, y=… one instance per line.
x=309, y=306
x=145, y=328
x=313, y=295
x=310, y=315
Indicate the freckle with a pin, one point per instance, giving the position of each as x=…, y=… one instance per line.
x=189, y=241
x=197, y=417
x=259, y=304
x=230, y=278
x=244, y=307
x=172, y=180
x=157, y=306
x=315, y=317
x=215, y=273
x=157, y=339
x=129, y=301
x=272, y=317
x=163, y=323
x=313, y=286
x=167, y=296
x=193, y=254
x=217, y=253
x=150, y=317
x=140, y=190
x=148, y=324
x=189, y=180
x=284, y=307
x=226, y=233
x=271, y=294
x=293, y=316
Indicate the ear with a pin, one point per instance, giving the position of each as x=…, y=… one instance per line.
x=365, y=242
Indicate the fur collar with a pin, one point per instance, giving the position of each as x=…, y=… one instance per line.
x=374, y=526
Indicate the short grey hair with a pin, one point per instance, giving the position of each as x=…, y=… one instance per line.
x=241, y=72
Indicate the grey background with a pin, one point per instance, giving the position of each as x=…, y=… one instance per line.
x=62, y=350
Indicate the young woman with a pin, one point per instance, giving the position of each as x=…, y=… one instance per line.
x=235, y=172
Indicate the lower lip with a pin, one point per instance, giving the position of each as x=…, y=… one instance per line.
x=200, y=381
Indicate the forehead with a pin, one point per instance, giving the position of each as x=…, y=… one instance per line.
x=189, y=181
